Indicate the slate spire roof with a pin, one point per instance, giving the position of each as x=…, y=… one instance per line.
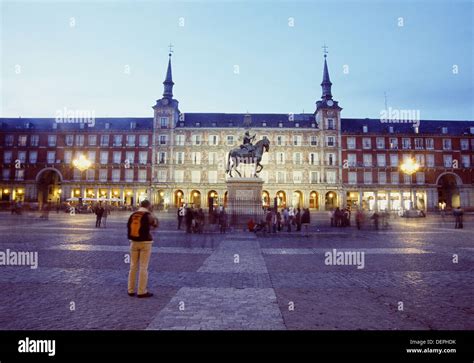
x=326, y=84
x=168, y=83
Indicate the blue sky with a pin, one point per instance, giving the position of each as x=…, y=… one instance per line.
x=280, y=67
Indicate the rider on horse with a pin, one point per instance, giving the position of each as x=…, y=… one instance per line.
x=248, y=142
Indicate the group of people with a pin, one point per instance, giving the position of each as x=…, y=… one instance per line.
x=285, y=219
x=340, y=217
x=195, y=219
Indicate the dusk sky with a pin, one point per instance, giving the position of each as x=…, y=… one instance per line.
x=47, y=64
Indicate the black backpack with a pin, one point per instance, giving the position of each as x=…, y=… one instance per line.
x=138, y=227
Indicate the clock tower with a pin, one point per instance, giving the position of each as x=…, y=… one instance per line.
x=167, y=106
x=328, y=119
x=165, y=120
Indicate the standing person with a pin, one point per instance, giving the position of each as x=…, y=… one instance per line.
x=337, y=217
x=105, y=215
x=278, y=221
x=458, y=213
x=274, y=221
x=181, y=213
x=375, y=217
x=45, y=213
x=268, y=219
x=200, y=221
x=223, y=220
x=189, y=215
x=332, y=217
x=298, y=220
x=138, y=227
x=291, y=218
x=99, y=212
x=251, y=225
x=359, y=218
x=286, y=217
x=305, y=220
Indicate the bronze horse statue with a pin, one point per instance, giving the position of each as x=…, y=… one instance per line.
x=241, y=155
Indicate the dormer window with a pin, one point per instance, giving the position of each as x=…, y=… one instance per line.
x=390, y=129
x=198, y=124
x=231, y=124
x=107, y=125
x=264, y=124
x=214, y=124
x=28, y=125
x=313, y=125
x=55, y=125
x=365, y=129
x=81, y=125
x=416, y=129
x=444, y=130
x=280, y=124
x=297, y=124
x=181, y=124
x=133, y=125
x=471, y=129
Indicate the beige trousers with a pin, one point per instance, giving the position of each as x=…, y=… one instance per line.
x=140, y=253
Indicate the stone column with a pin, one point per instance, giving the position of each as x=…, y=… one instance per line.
x=321, y=198
x=342, y=199
x=389, y=201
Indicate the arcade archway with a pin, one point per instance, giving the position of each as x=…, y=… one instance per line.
x=195, y=199
x=448, y=190
x=313, y=200
x=48, y=183
x=331, y=200
x=178, y=198
x=281, y=199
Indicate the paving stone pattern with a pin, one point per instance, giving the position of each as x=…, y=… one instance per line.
x=238, y=280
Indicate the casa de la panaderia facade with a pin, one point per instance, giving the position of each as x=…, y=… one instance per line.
x=316, y=160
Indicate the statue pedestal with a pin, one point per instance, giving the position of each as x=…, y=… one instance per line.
x=244, y=200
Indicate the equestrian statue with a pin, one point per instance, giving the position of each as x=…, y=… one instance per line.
x=248, y=153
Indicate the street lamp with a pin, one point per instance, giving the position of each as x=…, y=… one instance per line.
x=410, y=167
x=82, y=163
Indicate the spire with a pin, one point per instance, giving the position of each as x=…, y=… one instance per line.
x=326, y=84
x=168, y=83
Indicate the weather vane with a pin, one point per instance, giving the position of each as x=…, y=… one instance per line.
x=325, y=50
x=171, y=48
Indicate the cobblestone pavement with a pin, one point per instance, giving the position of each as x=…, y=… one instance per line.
x=418, y=274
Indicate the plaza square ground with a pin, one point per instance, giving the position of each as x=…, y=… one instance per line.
x=410, y=279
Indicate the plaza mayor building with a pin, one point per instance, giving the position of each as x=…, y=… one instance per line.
x=316, y=160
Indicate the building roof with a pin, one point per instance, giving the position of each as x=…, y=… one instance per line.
x=376, y=126
x=45, y=124
x=236, y=120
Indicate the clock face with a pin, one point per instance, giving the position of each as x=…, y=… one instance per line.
x=330, y=103
x=165, y=101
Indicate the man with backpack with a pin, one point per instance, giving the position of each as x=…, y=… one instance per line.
x=139, y=225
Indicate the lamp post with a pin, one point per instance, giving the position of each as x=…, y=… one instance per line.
x=81, y=163
x=410, y=167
